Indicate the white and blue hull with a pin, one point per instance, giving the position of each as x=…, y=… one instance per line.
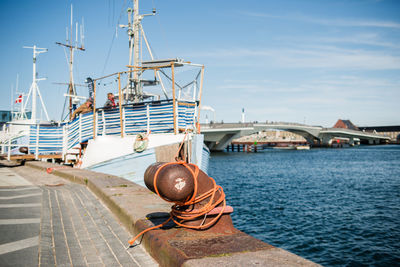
x=115, y=155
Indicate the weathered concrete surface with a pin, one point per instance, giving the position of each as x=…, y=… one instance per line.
x=138, y=209
x=268, y=258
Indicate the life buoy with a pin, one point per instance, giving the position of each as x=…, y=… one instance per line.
x=141, y=143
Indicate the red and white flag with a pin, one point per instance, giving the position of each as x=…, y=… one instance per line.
x=19, y=99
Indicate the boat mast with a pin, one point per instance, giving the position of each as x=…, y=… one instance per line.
x=34, y=89
x=131, y=83
x=69, y=44
x=136, y=26
x=134, y=85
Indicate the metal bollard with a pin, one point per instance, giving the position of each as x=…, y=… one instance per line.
x=174, y=182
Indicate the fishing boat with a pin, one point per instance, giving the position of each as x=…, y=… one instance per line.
x=155, y=118
x=17, y=131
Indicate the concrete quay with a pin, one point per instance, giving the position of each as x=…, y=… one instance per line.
x=77, y=229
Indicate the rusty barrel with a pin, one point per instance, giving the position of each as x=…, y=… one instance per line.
x=174, y=182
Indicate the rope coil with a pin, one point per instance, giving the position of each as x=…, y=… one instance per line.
x=179, y=212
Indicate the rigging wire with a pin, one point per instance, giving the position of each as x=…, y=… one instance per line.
x=113, y=38
x=78, y=76
x=66, y=57
x=152, y=51
x=63, y=109
x=113, y=11
x=65, y=99
x=108, y=13
x=163, y=32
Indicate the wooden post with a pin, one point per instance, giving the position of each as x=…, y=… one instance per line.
x=65, y=141
x=103, y=119
x=94, y=109
x=173, y=97
x=80, y=127
x=148, y=118
x=37, y=142
x=9, y=149
x=120, y=104
x=123, y=122
x=200, y=92
x=97, y=123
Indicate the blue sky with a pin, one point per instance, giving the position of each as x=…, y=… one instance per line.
x=294, y=61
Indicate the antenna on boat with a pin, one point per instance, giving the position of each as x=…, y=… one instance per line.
x=134, y=87
x=71, y=92
x=34, y=89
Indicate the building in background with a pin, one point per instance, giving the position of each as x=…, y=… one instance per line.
x=345, y=124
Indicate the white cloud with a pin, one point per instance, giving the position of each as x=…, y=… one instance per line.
x=360, y=39
x=309, y=57
x=332, y=92
x=342, y=22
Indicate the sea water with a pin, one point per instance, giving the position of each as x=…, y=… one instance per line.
x=336, y=207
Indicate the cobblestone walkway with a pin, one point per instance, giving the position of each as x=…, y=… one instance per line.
x=76, y=229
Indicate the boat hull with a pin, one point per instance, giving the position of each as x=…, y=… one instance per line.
x=116, y=156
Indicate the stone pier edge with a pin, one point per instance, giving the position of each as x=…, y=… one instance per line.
x=132, y=204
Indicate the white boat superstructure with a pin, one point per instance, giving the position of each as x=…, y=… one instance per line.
x=16, y=133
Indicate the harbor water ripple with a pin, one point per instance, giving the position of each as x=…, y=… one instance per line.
x=336, y=207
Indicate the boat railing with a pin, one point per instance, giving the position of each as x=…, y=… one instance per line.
x=154, y=117
x=42, y=139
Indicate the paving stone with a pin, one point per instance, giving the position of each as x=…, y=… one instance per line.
x=101, y=245
x=89, y=251
x=138, y=254
x=76, y=229
x=46, y=234
x=61, y=248
x=71, y=238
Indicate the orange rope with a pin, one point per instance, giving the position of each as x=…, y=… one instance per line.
x=182, y=215
x=198, y=127
x=180, y=147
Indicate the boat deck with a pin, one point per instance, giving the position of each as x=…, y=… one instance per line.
x=31, y=156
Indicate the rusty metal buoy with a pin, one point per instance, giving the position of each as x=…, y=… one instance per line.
x=174, y=182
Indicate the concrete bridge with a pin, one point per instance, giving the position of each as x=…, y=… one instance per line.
x=218, y=135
